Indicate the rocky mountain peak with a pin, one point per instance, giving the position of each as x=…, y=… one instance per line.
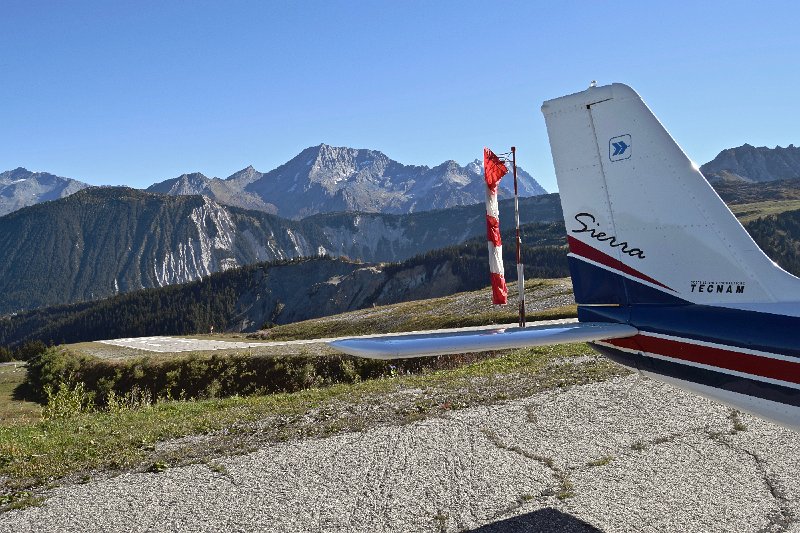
x=21, y=173
x=754, y=164
x=193, y=177
x=246, y=175
x=21, y=188
x=333, y=167
x=185, y=184
x=475, y=167
x=17, y=173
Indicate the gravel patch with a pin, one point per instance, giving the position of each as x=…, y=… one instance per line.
x=628, y=454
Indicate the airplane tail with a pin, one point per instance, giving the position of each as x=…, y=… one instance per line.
x=652, y=247
x=666, y=279
x=643, y=224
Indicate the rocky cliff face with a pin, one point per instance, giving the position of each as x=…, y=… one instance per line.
x=104, y=241
x=379, y=237
x=750, y=164
x=20, y=188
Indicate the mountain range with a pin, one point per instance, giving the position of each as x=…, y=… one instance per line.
x=750, y=164
x=20, y=188
x=259, y=295
x=320, y=179
x=103, y=241
x=264, y=294
x=324, y=179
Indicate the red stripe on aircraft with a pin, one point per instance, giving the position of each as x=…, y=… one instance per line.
x=584, y=250
x=755, y=365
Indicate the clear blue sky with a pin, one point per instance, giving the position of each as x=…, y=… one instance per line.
x=134, y=92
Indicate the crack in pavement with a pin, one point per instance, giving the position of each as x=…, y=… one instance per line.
x=563, y=490
x=641, y=445
x=785, y=517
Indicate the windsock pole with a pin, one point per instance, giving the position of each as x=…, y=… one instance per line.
x=520, y=268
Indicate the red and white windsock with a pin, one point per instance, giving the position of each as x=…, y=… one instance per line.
x=494, y=170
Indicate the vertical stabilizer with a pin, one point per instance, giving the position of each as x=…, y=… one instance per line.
x=644, y=225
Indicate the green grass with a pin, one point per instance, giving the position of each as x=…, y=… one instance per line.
x=410, y=316
x=458, y=310
x=749, y=212
x=50, y=449
x=410, y=320
x=14, y=411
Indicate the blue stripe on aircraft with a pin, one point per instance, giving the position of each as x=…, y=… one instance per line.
x=652, y=310
x=719, y=380
x=596, y=285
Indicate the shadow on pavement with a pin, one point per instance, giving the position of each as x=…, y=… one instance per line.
x=541, y=520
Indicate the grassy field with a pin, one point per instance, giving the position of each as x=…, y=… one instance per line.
x=545, y=299
x=748, y=212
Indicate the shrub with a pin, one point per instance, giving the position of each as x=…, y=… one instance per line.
x=136, y=383
x=29, y=350
x=53, y=368
x=66, y=401
x=136, y=398
x=5, y=355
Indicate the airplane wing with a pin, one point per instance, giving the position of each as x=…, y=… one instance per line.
x=458, y=341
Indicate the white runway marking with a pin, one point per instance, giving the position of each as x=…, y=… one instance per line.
x=173, y=344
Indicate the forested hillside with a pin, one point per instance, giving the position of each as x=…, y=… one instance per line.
x=779, y=236
x=105, y=241
x=284, y=291
x=250, y=297
x=254, y=296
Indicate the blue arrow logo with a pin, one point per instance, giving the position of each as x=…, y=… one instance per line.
x=619, y=147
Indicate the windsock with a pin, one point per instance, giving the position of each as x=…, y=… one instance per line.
x=494, y=170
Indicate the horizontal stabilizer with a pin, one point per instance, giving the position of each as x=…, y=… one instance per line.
x=442, y=343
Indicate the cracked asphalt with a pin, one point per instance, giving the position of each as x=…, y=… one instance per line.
x=628, y=454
